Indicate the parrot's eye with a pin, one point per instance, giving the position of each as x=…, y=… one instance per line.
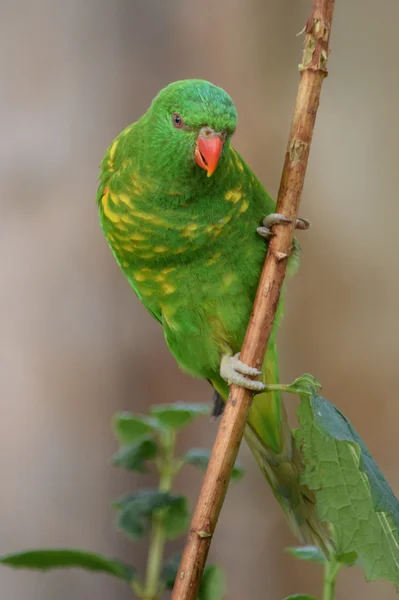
x=177, y=120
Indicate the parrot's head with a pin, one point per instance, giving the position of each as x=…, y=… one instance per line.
x=191, y=123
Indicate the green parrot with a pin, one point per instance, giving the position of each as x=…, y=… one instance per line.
x=188, y=223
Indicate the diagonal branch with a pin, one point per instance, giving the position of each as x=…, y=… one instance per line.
x=313, y=70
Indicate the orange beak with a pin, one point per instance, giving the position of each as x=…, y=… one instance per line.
x=207, y=152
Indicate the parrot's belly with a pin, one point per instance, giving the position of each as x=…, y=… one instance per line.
x=204, y=311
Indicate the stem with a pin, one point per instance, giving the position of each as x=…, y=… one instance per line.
x=280, y=387
x=331, y=569
x=312, y=72
x=157, y=540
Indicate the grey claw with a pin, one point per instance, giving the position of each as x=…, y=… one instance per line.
x=265, y=232
x=233, y=370
x=302, y=223
x=277, y=219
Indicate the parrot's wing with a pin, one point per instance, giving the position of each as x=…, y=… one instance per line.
x=116, y=175
x=157, y=315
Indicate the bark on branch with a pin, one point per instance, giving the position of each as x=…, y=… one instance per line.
x=312, y=72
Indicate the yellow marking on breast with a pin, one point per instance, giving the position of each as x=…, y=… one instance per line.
x=126, y=219
x=233, y=195
x=168, y=288
x=224, y=220
x=113, y=149
x=189, y=230
x=126, y=131
x=161, y=248
x=125, y=263
x=209, y=228
x=128, y=247
x=138, y=237
x=243, y=207
x=148, y=217
x=121, y=227
x=108, y=212
x=140, y=276
x=179, y=250
x=110, y=237
x=168, y=270
x=126, y=200
x=120, y=235
x=147, y=255
x=138, y=183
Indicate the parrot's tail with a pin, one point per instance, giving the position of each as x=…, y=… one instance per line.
x=270, y=439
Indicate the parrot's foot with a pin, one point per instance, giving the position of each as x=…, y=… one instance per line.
x=233, y=370
x=277, y=219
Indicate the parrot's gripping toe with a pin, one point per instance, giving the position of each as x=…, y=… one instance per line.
x=234, y=371
x=277, y=219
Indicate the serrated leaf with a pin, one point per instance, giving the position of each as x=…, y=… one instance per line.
x=134, y=456
x=213, y=584
x=137, y=510
x=66, y=558
x=129, y=427
x=310, y=553
x=352, y=493
x=169, y=570
x=300, y=597
x=178, y=414
x=199, y=457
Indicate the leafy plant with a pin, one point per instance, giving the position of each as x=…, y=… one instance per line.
x=146, y=442
x=352, y=495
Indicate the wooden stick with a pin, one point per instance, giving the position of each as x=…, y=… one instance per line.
x=313, y=70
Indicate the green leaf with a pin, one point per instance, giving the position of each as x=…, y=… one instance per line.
x=129, y=427
x=137, y=510
x=310, y=553
x=349, y=559
x=306, y=384
x=169, y=570
x=178, y=414
x=213, y=584
x=65, y=558
x=352, y=493
x=199, y=457
x=134, y=456
x=300, y=597
x=176, y=517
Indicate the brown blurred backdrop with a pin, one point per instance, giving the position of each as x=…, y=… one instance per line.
x=76, y=344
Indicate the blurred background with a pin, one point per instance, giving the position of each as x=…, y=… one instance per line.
x=76, y=344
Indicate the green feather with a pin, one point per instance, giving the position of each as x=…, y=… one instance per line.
x=188, y=245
